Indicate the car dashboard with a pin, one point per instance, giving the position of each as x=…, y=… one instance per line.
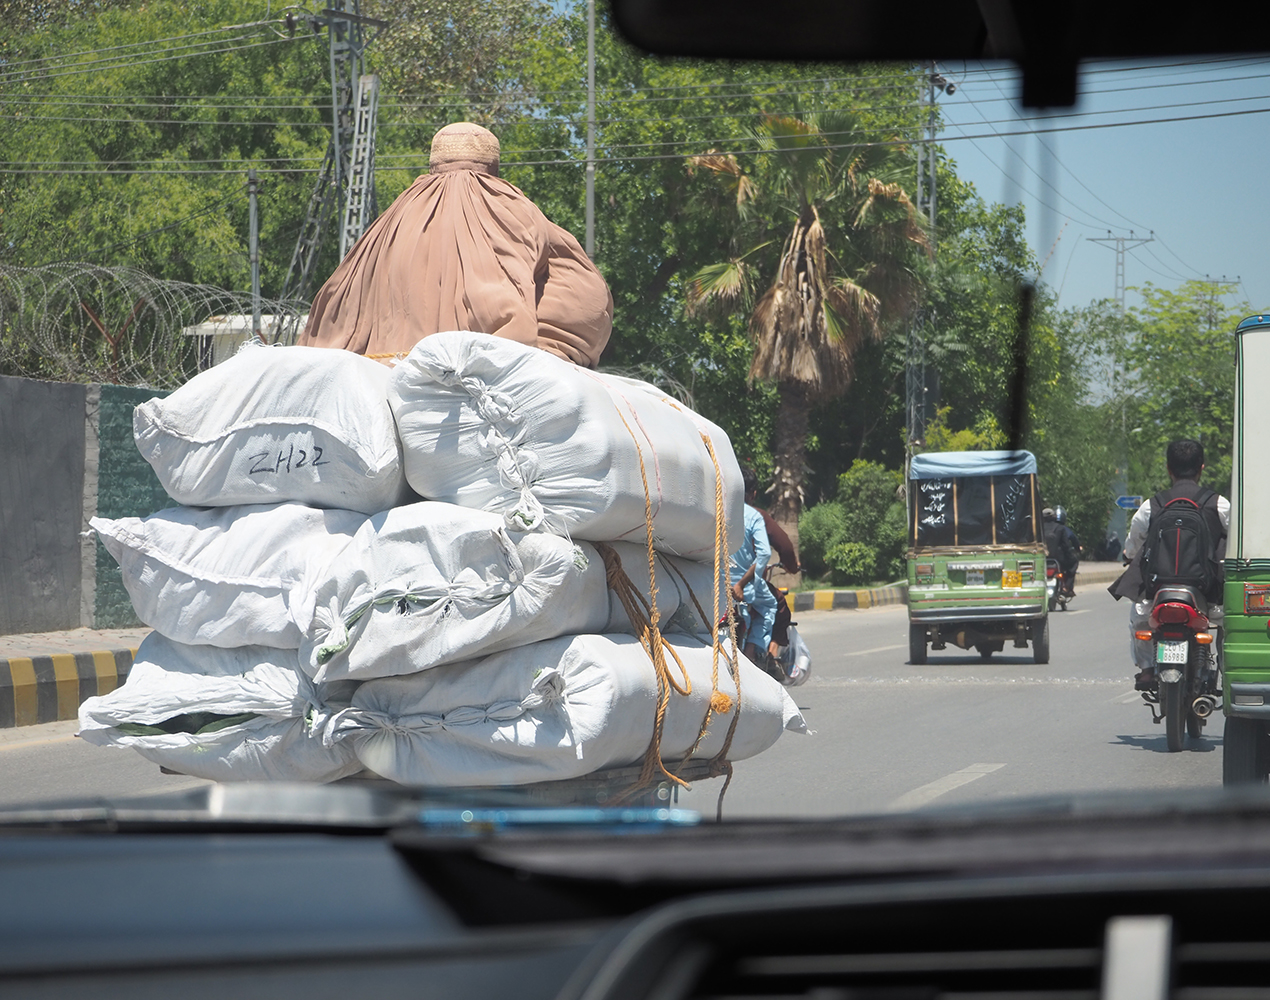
x=1093, y=898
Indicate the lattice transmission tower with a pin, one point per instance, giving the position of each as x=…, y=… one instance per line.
x=346, y=180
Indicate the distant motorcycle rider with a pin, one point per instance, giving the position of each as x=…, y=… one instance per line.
x=1063, y=546
x=1185, y=461
x=755, y=602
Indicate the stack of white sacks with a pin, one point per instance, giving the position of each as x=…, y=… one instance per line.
x=315, y=619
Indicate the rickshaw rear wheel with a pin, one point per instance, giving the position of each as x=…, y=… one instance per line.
x=1244, y=752
x=1041, y=642
x=916, y=644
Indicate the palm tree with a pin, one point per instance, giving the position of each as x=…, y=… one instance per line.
x=829, y=295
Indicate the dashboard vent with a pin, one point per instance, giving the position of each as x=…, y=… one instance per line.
x=1215, y=970
x=1037, y=974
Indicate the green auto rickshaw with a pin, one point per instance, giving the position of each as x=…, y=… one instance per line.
x=1245, y=642
x=976, y=557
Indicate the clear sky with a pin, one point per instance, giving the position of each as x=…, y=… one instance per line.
x=1198, y=182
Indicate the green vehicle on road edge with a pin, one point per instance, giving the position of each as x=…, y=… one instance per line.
x=1245, y=654
x=976, y=558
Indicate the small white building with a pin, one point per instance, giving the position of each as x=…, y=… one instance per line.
x=219, y=337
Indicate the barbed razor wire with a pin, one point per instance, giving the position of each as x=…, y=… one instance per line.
x=79, y=322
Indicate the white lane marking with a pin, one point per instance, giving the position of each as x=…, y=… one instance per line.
x=1127, y=697
x=1080, y=611
x=941, y=786
x=878, y=649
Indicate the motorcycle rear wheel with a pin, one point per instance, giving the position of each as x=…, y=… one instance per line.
x=1174, y=708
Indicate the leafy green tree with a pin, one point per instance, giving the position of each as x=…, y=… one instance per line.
x=827, y=296
x=130, y=130
x=1182, y=382
x=465, y=59
x=984, y=436
x=858, y=537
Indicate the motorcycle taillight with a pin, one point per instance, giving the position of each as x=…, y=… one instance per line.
x=1178, y=613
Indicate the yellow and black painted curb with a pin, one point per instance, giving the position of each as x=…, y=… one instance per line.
x=36, y=689
x=834, y=600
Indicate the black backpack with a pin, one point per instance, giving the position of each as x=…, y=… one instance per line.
x=1180, y=547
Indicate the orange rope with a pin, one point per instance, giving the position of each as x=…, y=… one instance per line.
x=647, y=628
x=719, y=702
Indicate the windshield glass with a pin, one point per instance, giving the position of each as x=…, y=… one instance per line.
x=572, y=349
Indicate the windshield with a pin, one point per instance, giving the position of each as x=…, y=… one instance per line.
x=645, y=338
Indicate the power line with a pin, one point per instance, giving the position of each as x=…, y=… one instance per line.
x=1039, y=177
x=573, y=161
x=133, y=45
x=132, y=64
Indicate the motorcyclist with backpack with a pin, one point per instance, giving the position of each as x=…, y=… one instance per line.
x=1062, y=545
x=1188, y=550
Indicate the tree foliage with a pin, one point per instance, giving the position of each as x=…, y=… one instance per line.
x=857, y=537
x=698, y=165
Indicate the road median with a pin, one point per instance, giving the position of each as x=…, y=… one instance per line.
x=51, y=687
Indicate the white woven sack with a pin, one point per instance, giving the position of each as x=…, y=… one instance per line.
x=557, y=709
x=415, y=586
x=492, y=424
x=272, y=424
x=272, y=742
x=433, y=583
x=216, y=575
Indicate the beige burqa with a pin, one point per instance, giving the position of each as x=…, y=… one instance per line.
x=462, y=249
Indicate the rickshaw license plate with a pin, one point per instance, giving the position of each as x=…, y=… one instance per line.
x=1167, y=651
x=1011, y=578
x=974, y=578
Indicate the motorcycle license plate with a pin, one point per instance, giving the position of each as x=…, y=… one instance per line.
x=1170, y=651
x=1011, y=578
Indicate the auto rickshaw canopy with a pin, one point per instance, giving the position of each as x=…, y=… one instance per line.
x=973, y=499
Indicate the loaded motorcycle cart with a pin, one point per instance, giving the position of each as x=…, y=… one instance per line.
x=976, y=558
x=1245, y=641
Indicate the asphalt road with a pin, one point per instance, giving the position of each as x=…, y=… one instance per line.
x=887, y=735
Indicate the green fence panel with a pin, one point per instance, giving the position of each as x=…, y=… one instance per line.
x=126, y=487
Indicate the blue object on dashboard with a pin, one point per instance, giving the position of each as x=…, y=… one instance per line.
x=490, y=820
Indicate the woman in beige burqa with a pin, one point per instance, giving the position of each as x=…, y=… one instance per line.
x=462, y=249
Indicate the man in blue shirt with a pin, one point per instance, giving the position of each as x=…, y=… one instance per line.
x=756, y=604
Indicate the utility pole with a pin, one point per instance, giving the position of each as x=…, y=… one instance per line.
x=915, y=389
x=590, y=128
x=347, y=172
x=359, y=199
x=1121, y=243
x=1120, y=517
x=253, y=186
x=1213, y=284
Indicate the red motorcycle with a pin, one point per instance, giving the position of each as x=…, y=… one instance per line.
x=1057, y=590
x=1187, y=674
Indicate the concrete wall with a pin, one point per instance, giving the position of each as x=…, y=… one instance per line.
x=42, y=428
x=66, y=455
